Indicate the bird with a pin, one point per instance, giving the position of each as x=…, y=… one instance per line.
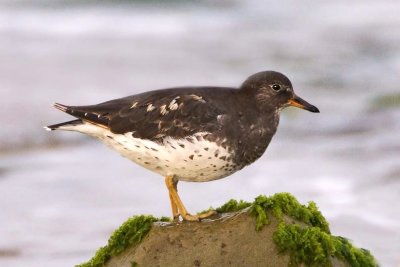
x=192, y=133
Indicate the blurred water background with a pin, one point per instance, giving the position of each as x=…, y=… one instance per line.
x=62, y=194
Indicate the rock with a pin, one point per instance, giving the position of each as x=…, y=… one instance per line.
x=228, y=241
x=272, y=231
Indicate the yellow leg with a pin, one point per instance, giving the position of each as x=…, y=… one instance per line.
x=176, y=203
x=175, y=212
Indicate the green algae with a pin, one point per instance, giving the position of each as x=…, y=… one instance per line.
x=284, y=203
x=308, y=243
x=313, y=247
x=311, y=244
x=233, y=206
x=128, y=234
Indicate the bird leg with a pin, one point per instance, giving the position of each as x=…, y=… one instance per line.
x=176, y=203
x=175, y=212
x=177, y=206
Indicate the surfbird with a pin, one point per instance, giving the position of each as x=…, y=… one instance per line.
x=193, y=134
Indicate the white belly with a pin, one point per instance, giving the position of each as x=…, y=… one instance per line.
x=197, y=160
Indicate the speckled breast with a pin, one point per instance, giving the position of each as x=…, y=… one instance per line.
x=192, y=158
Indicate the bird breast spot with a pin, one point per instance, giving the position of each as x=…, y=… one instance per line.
x=192, y=160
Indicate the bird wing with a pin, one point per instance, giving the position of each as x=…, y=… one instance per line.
x=152, y=115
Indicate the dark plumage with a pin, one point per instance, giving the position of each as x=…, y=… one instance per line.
x=239, y=121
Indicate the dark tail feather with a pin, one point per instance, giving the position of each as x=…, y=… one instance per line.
x=67, y=123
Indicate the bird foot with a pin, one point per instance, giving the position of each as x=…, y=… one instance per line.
x=207, y=214
x=198, y=217
x=178, y=209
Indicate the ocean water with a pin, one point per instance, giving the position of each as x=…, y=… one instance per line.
x=62, y=194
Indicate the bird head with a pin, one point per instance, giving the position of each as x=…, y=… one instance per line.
x=274, y=90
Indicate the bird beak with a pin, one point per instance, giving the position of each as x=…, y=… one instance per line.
x=300, y=103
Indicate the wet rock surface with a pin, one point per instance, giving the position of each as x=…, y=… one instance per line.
x=230, y=240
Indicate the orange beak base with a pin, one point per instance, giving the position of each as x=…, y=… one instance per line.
x=301, y=103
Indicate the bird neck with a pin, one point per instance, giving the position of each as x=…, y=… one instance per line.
x=256, y=136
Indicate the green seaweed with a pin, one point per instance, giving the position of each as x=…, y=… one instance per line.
x=233, y=206
x=313, y=247
x=285, y=203
x=129, y=233
x=310, y=244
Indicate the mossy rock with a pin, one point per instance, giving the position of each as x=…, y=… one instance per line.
x=271, y=231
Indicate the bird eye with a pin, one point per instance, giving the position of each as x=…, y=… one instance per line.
x=276, y=87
